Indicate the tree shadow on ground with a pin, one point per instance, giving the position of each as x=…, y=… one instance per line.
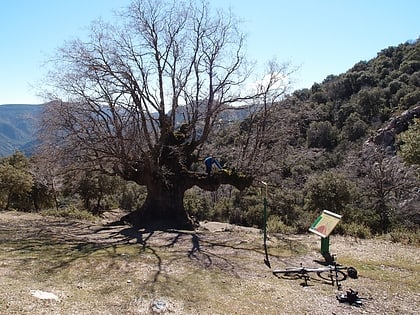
x=59, y=243
x=203, y=248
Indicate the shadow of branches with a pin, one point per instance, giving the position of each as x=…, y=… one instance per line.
x=56, y=243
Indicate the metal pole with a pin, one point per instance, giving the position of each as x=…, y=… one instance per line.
x=325, y=249
x=266, y=260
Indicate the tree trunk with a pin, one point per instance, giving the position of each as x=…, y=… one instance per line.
x=162, y=209
x=166, y=186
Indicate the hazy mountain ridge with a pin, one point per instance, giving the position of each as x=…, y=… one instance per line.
x=18, y=127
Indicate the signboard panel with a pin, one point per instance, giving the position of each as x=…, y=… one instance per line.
x=325, y=223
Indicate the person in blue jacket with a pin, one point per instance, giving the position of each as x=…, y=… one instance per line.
x=209, y=161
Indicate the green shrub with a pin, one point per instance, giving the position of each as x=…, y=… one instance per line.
x=322, y=135
x=198, y=207
x=405, y=236
x=132, y=197
x=299, y=222
x=236, y=216
x=276, y=225
x=328, y=190
x=409, y=147
x=70, y=212
x=254, y=216
x=354, y=229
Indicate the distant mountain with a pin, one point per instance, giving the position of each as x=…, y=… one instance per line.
x=18, y=125
x=17, y=128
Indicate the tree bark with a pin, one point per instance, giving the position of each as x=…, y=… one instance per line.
x=164, y=204
x=162, y=209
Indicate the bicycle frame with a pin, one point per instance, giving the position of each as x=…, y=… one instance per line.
x=334, y=273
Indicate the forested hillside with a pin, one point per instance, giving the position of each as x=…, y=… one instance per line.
x=319, y=148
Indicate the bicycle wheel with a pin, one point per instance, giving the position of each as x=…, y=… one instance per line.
x=332, y=275
x=287, y=274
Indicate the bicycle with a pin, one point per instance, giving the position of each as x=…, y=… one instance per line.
x=334, y=273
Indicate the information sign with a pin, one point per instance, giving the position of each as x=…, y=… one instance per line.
x=325, y=223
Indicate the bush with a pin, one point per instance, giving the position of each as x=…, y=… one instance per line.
x=328, y=190
x=405, y=236
x=410, y=99
x=409, y=143
x=236, y=216
x=254, y=216
x=322, y=135
x=132, y=197
x=304, y=221
x=276, y=225
x=222, y=210
x=198, y=207
x=354, y=128
x=354, y=229
x=70, y=212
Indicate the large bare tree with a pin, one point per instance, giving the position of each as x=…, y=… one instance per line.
x=139, y=101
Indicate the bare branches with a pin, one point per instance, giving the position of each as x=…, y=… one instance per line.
x=259, y=130
x=126, y=89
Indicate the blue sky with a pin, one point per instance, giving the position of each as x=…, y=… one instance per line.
x=320, y=37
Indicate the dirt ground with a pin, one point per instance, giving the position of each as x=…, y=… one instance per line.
x=102, y=268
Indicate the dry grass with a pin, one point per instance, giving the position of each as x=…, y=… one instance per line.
x=101, y=269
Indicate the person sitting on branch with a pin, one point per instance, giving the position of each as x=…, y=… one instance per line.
x=209, y=161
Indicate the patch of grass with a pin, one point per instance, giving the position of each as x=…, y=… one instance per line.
x=286, y=247
x=70, y=213
x=399, y=271
x=405, y=236
x=276, y=225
